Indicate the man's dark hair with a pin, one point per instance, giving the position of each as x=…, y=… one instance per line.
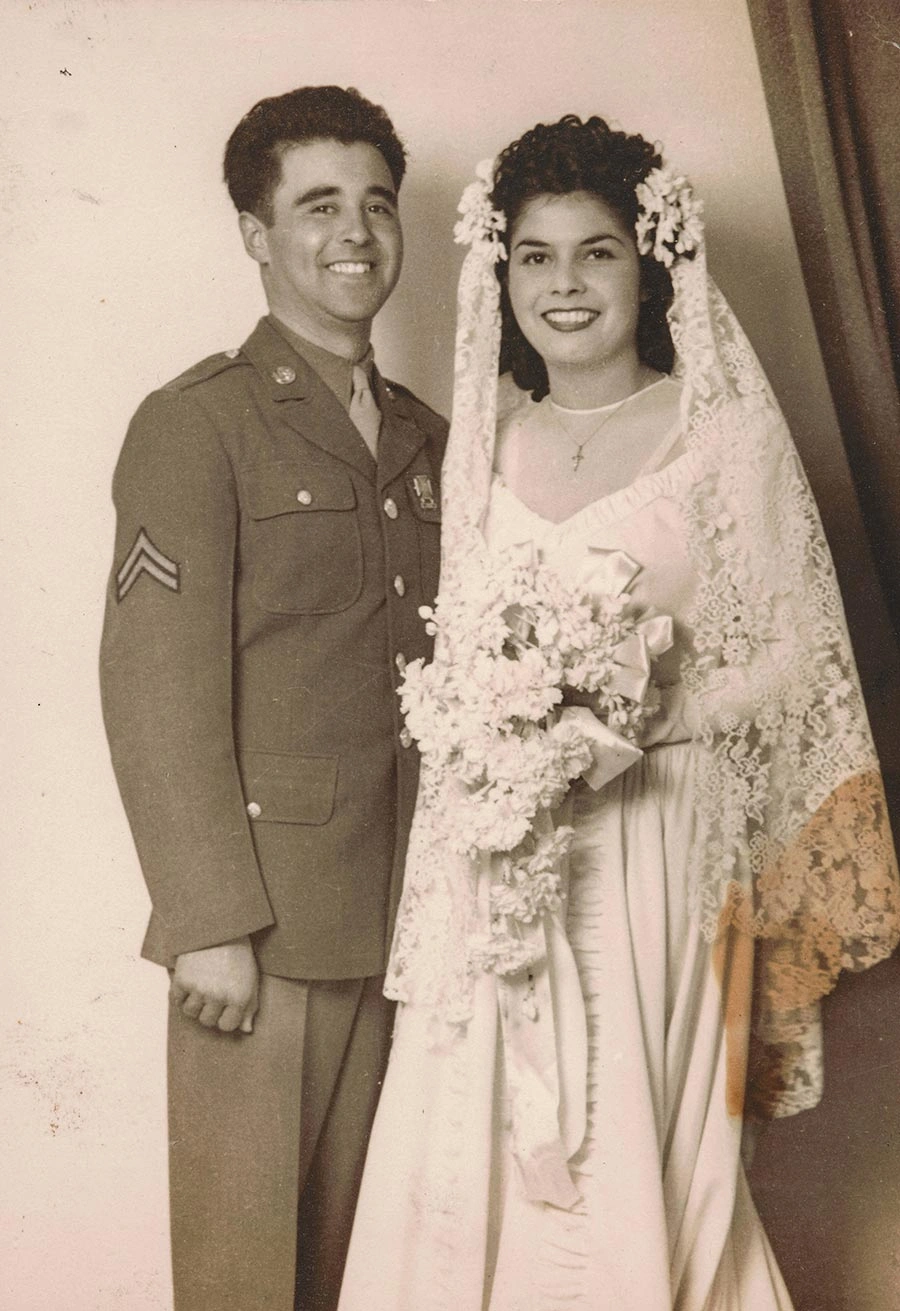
x=311, y=113
x=557, y=159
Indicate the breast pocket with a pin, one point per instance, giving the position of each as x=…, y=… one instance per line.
x=305, y=543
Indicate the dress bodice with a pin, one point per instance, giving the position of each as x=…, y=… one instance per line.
x=645, y=520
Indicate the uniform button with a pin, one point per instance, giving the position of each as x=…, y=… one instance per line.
x=390, y=508
x=400, y=585
x=405, y=737
x=254, y=809
x=400, y=661
x=284, y=374
x=304, y=497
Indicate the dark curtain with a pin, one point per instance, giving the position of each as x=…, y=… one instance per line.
x=831, y=72
x=828, y=1184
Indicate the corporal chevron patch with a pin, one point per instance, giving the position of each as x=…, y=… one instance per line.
x=145, y=558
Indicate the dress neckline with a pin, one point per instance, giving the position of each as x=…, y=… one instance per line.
x=651, y=482
x=612, y=405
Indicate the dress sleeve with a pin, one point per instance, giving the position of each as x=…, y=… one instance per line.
x=166, y=676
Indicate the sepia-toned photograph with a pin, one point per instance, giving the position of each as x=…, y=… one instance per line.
x=451, y=519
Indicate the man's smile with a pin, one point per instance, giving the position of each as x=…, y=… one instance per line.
x=352, y=267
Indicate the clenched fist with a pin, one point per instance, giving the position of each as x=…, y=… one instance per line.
x=219, y=986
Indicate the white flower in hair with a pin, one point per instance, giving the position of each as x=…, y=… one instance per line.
x=668, y=222
x=479, y=224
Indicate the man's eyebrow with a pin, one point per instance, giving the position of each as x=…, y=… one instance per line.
x=329, y=193
x=317, y=193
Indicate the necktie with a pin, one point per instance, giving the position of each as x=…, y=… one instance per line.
x=364, y=410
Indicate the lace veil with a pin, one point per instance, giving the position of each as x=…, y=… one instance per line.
x=793, y=846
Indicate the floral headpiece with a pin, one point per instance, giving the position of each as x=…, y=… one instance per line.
x=479, y=224
x=668, y=222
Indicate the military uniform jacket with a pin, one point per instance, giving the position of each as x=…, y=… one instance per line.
x=263, y=600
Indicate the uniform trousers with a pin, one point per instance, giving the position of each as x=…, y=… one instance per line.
x=267, y=1140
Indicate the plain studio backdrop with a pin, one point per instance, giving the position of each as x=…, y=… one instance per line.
x=127, y=268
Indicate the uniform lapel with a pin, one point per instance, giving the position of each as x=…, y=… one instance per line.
x=304, y=401
x=401, y=438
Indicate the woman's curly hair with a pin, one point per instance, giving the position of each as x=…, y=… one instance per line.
x=556, y=159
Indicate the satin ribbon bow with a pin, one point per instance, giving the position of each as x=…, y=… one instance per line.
x=610, y=573
x=652, y=637
x=607, y=573
x=522, y=553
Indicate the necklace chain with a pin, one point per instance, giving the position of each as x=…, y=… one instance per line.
x=578, y=457
x=580, y=445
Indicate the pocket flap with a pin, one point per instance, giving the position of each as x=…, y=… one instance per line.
x=287, y=488
x=281, y=788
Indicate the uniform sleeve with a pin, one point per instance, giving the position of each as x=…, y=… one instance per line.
x=166, y=677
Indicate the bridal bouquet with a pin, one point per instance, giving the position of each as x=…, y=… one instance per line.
x=500, y=749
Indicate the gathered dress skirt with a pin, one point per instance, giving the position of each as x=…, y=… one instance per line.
x=665, y=1220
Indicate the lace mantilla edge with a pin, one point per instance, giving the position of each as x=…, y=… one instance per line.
x=793, y=838
x=836, y=883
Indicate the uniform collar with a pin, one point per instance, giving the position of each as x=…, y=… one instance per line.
x=334, y=370
x=322, y=419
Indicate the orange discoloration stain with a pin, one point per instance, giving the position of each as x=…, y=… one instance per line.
x=732, y=960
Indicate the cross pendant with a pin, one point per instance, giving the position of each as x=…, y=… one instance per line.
x=576, y=459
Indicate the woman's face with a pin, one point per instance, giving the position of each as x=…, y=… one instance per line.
x=574, y=281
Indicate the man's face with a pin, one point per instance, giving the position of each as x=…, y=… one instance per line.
x=332, y=254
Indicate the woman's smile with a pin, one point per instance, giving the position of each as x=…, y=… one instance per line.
x=570, y=320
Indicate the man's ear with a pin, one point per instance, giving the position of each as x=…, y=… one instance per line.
x=255, y=236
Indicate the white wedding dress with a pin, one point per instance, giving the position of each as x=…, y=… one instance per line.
x=665, y=1221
